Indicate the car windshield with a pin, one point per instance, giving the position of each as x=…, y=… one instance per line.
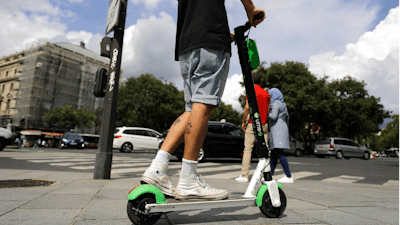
x=72, y=135
x=323, y=141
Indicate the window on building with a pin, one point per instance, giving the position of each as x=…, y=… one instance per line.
x=2, y=89
x=8, y=104
x=11, y=86
x=15, y=72
x=6, y=73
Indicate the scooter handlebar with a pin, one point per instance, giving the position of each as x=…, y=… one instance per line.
x=258, y=16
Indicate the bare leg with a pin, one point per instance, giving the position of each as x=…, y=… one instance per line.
x=175, y=134
x=195, y=131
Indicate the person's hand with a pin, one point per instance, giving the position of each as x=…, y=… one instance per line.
x=253, y=12
x=233, y=38
x=244, y=125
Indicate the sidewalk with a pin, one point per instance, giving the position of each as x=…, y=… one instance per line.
x=75, y=198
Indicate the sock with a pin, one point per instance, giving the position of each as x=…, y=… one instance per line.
x=189, y=167
x=163, y=157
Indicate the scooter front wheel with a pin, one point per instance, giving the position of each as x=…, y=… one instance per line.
x=268, y=209
x=136, y=210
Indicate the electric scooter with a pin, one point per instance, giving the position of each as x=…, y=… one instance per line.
x=146, y=203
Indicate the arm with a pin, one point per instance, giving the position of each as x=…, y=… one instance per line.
x=245, y=114
x=273, y=113
x=252, y=11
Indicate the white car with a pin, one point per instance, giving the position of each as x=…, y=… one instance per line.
x=127, y=139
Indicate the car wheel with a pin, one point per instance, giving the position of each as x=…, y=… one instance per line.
x=321, y=156
x=127, y=147
x=2, y=144
x=298, y=153
x=366, y=155
x=339, y=154
x=347, y=157
x=202, y=154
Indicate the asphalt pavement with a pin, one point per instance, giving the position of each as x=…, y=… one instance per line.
x=76, y=198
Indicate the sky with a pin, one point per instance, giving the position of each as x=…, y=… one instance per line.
x=334, y=38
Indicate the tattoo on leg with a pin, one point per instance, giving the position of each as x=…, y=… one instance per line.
x=188, y=128
x=177, y=121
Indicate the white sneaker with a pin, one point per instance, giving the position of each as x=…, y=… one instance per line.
x=192, y=187
x=157, y=175
x=242, y=179
x=286, y=180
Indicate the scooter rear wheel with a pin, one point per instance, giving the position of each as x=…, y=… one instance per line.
x=136, y=209
x=268, y=209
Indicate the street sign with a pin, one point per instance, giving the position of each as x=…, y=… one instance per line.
x=113, y=15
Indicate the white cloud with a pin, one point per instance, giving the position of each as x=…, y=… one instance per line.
x=149, y=4
x=149, y=47
x=24, y=22
x=374, y=58
x=232, y=92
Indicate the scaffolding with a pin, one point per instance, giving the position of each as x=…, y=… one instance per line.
x=54, y=76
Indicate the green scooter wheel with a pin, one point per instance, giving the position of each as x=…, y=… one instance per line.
x=136, y=210
x=268, y=209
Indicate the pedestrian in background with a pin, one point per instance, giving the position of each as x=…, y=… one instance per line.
x=278, y=120
x=263, y=100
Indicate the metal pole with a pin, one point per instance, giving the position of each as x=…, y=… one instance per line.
x=104, y=155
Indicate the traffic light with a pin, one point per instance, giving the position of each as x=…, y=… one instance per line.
x=100, y=83
x=105, y=47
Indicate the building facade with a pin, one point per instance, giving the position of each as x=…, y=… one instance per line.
x=44, y=76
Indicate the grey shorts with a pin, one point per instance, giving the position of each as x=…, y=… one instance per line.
x=204, y=73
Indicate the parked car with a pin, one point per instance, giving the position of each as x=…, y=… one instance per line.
x=392, y=152
x=72, y=139
x=91, y=140
x=296, y=148
x=127, y=139
x=6, y=138
x=340, y=148
x=222, y=139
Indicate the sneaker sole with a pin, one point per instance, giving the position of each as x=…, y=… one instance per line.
x=146, y=180
x=242, y=181
x=207, y=197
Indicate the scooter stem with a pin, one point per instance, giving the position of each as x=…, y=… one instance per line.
x=262, y=163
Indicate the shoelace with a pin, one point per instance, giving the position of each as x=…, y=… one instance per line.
x=202, y=183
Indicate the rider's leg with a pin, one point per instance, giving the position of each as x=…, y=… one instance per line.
x=248, y=149
x=156, y=174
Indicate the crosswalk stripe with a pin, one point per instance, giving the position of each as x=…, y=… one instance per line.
x=344, y=179
x=391, y=183
x=302, y=174
x=139, y=169
x=123, y=165
x=60, y=160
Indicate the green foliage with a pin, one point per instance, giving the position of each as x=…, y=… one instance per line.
x=67, y=116
x=145, y=101
x=357, y=112
x=341, y=108
x=390, y=135
x=307, y=99
x=225, y=112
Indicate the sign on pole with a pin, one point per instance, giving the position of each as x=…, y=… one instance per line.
x=113, y=15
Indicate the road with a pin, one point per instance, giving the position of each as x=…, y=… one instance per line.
x=381, y=171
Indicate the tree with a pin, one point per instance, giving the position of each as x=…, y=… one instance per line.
x=357, y=112
x=225, y=112
x=145, y=101
x=307, y=98
x=390, y=135
x=67, y=116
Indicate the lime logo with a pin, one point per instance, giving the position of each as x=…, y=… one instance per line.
x=256, y=115
x=260, y=134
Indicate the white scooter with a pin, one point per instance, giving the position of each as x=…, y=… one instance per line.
x=146, y=203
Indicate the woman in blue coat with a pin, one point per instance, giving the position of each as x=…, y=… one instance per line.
x=279, y=133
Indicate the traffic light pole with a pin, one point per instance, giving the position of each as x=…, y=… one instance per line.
x=104, y=155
